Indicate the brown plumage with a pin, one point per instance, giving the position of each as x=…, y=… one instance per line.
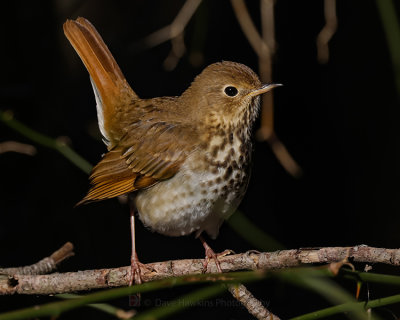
x=138, y=153
x=185, y=159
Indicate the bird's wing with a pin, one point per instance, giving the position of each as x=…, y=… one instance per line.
x=152, y=152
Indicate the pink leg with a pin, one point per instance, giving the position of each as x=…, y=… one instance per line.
x=209, y=254
x=135, y=264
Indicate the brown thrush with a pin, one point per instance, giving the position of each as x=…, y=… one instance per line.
x=184, y=160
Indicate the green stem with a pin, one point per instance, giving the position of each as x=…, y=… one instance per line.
x=41, y=139
x=387, y=12
x=346, y=307
x=186, y=301
x=105, y=307
x=253, y=234
x=317, y=281
x=371, y=277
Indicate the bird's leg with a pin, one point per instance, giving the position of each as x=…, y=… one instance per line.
x=135, y=264
x=210, y=254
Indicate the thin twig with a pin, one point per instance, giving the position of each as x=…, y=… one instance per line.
x=265, y=69
x=327, y=31
x=264, y=46
x=14, y=146
x=44, y=266
x=174, y=32
x=267, y=131
x=248, y=27
x=63, y=253
x=268, y=24
x=254, y=306
x=7, y=118
x=176, y=27
x=177, y=51
x=49, y=264
x=284, y=157
x=103, y=278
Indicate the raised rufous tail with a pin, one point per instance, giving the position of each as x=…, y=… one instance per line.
x=111, y=89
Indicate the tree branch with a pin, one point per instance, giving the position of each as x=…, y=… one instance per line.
x=14, y=146
x=253, y=306
x=115, y=277
x=176, y=27
x=327, y=31
x=46, y=265
x=174, y=32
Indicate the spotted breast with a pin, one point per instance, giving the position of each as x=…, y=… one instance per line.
x=207, y=189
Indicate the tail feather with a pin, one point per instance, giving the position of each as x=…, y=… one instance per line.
x=110, y=86
x=110, y=178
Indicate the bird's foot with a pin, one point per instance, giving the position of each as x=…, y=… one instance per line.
x=136, y=277
x=136, y=270
x=210, y=254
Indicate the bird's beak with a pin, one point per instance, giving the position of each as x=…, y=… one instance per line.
x=265, y=88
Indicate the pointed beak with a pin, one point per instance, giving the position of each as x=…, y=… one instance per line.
x=265, y=88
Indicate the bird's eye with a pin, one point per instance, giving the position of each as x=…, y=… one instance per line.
x=231, y=91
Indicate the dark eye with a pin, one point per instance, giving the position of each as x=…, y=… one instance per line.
x=231, y=91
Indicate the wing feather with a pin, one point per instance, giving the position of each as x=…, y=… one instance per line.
x=137, y=164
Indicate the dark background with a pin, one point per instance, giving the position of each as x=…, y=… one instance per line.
x=339, y=121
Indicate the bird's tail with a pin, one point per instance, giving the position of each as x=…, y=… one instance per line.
x=109, y=84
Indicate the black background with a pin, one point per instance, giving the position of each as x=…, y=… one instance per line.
x=339, y=121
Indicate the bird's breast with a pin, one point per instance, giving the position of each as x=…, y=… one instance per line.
x=207, y=188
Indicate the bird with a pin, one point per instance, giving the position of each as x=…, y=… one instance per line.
x=184, y=161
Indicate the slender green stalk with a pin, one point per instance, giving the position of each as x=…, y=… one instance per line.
x=296, y=274
x=346, y=307
x=391, y=26
x=57, y=308
x=41, y=139
x=105, y=307
x=315, y=280
x=186, y=301
x=371, y=277
x=253, y=234
x=72, y=156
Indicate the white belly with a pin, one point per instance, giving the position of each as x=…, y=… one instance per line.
x=197, y=198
